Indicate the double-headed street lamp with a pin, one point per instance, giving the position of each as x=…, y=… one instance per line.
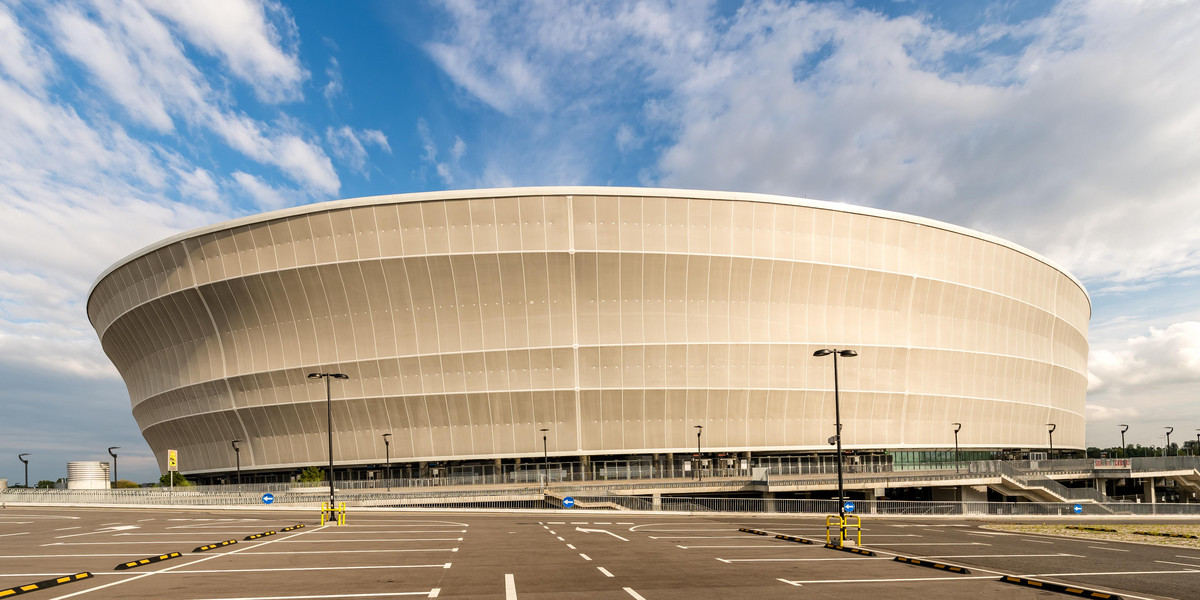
x=21, y=457
x=114, y=455
x=387, y=454
x=329, y=422
x=957, y=427
x=1124, y=450
x=237, y=456
x=837, y=417
x=545, y=458
x=1167, y=452
x=699, y=430
x=1052, y=427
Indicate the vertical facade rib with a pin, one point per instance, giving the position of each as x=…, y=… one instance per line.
x=615, y=317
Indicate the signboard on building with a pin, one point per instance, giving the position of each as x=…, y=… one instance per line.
x=172, y=460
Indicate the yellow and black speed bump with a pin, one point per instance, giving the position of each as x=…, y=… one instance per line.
x=216, y=545
x=147, y=560
x=258, y=535
x=792, y=538
x=754, y=531
x=293, y=527
x=933, y=565
x=1050, y=586
x=850, y=549
x=41, y=585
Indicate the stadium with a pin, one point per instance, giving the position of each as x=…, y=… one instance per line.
x=487, y=331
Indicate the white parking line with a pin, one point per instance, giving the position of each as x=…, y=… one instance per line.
x=775, y=546
x=941, y=579
x=1167, y=562
x=930, y=544
x=605, y=571
x=12, y=534
x=571, y=546
x=347, y=568
x=633, y=593
x=1105, y=548
x=560, y=538
x=585, y=557
x=510, y=587
x=429, y=594
x=733, y=560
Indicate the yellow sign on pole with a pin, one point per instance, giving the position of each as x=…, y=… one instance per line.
x=172, y=460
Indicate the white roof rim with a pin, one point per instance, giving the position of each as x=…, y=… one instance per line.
x=577, y=190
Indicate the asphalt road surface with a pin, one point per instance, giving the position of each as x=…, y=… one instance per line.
x=559, y=555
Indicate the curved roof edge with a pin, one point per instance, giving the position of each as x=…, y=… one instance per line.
x=567, y=190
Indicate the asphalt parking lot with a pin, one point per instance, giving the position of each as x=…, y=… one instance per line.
x=559, y=555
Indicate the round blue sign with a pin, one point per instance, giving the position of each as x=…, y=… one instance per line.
x=568, y=502
x=268, y=498
x=848, y=506
x=1078, y=508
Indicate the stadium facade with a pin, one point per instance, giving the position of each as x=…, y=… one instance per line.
x=617, y=319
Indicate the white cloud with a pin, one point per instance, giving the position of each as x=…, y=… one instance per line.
x=1161, y=356
x=19, y=57
x=349, y=145
x=198, y=184
x=133, y=56
x=244, y=35
x=265, y=196
x=333, y=88
x=429, y=153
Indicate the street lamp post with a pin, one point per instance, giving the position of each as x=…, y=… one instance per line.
x=837, y=417
x=21, y=457
x=1052, y=427
x=545, y=458
x=114, y=455
x=1197, y=442
x=699, y=475
x=1167, y=451
x=329, y=422
x=957, y=427
x=387, y=456
x=237, y=456
x=1124, y=450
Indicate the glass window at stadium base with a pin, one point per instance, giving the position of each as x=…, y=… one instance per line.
x=583, y=333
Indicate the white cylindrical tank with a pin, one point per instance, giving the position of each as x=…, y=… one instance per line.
x=87, y=475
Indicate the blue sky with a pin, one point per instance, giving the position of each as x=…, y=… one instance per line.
x=1069, y=128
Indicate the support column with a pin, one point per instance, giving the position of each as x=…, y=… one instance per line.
x=656, y=501
x=671, y=465
x=769, y=502
x=585, y=467
x=1148, y=490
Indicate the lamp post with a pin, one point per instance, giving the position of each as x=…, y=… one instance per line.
x=1167, y=451
x=837, y=417
x=114, y=455
x=699, y=430
x=329, y=422
x=237, y=456
x=21, y=457
x=957, y=427
x=1124, y=450
x=1197, y=453
x=545, y=458
x=387, y=454
x=1052, y=427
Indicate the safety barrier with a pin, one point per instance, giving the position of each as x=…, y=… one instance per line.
x=208, y=547
x=933, y=565
x=258, y=535
x=843, y=523
x=330, y=514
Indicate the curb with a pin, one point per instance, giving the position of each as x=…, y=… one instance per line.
x=933, y=565
x=1058, y=587
x=293, y=527
x=850, y=549
x=216, y=545
x=258, y=535
x=792, y=538
x=754, y=531
x=41, y=585
x=146, y=561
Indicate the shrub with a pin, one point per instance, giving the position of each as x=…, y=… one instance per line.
x=311, y=475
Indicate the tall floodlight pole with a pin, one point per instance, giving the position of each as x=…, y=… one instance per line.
x=699, y=430
x=957, y=427
x=21, y=457
x=837, y=417
x=329, y=422
x=387, y=454
x=1124, y=450
x=1197, y=442
x=1052, y=427
x=545, y=458
x=1167, y=452
x=237, y=457
x=114, y=455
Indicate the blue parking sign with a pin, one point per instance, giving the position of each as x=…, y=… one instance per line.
x=268, y=498
x=1078, y=508
x=568, y=502
x=848, y=506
